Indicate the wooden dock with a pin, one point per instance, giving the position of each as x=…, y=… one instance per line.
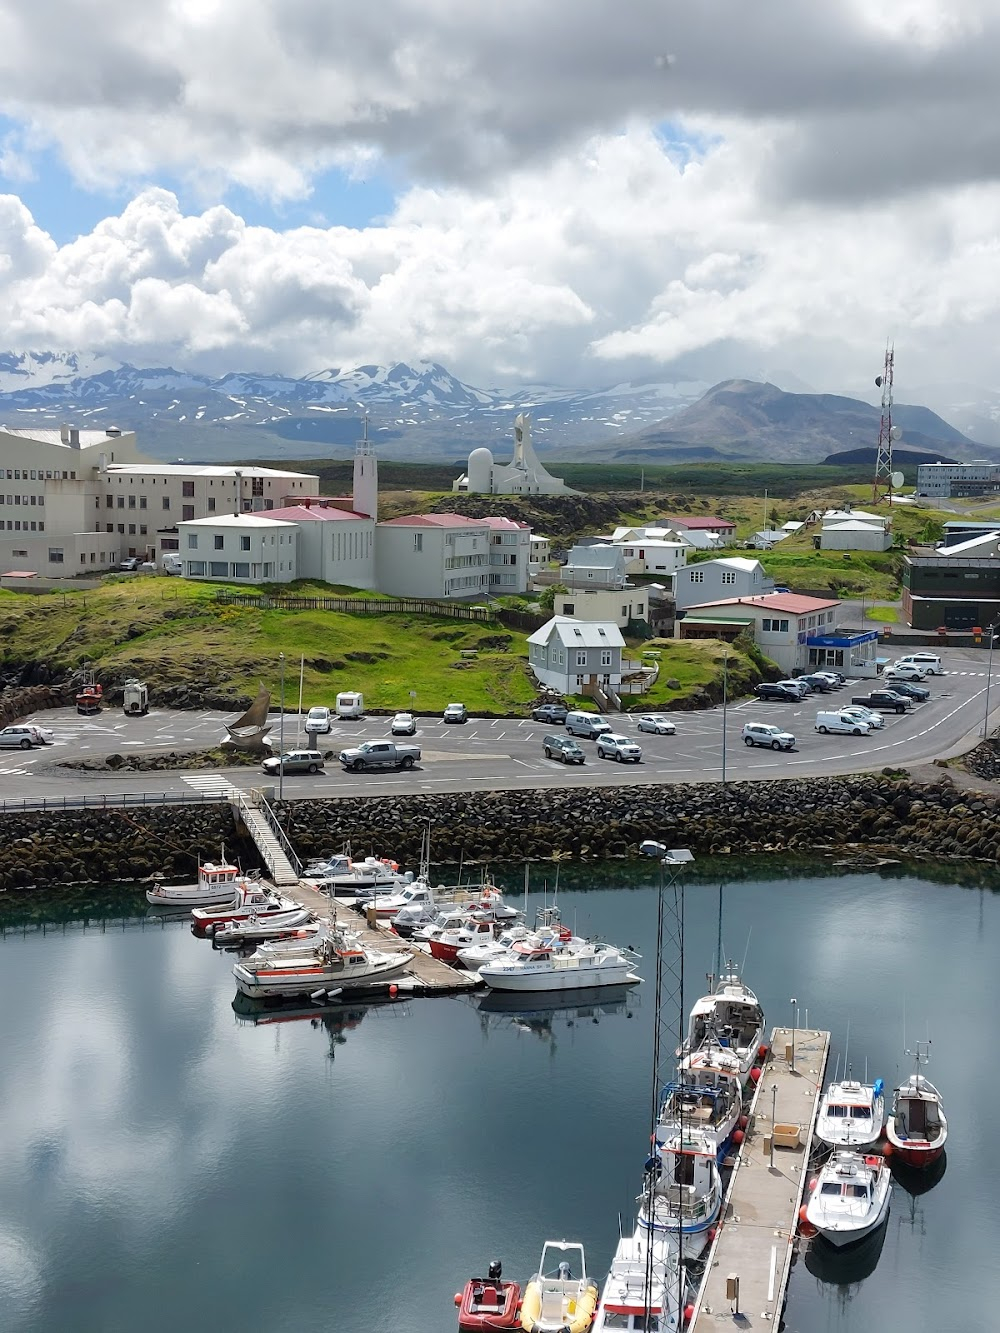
x=424, y=976
x=756, y=1239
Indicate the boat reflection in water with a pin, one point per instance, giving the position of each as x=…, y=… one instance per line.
x=541, y=1013
x=846, y=1267
x=336, y=1020
x=915, y=1181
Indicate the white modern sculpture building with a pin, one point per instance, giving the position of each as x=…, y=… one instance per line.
x=523, y=475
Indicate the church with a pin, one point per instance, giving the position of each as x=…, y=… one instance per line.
x=523, y=475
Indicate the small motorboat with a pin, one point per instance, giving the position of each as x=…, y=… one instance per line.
x=249, y=900
x=543, y=962
x=852, y=1114
x=917, y=1127
x=707, y=1095
x=217, y=882
x=460, y=935
x=473, y=956
x=645, y=1288
x=338, y=962
x=731, y=1016
x=280, y=925
x=555, y=1300
x=389, y=905
x=851, y=1197
x=683, y=1193
x=489, y=1302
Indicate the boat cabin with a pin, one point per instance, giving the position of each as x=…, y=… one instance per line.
x=222, y=877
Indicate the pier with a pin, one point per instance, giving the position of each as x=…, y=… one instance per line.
x=424, y=975
x=749, y=1263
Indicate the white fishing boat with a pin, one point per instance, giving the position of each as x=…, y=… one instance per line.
x=344, y=876
x=683, y=1193
x=263, y=928
x=851, y=1114
x=851, y=1197
x=645, y=1288
x=217, y=883
x=248, y=900
x=338, y=962
x=561, y=1297
x=461, y=934
x=707, y=1095
x=730, y=1016
x=475, y=956
x=388, y=905
x=539, y=963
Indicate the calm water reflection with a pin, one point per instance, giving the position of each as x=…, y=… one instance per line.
x=174, y=1161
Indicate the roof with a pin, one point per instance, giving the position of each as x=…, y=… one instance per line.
x=235, y=521
x=597, y=557
x=579, y=633
x=849, y=515
x=199, y=470
x=504, y=524
x=432, y=521
x=745, y=564
x=317, y=513
x=697, y=524
x=88, y=438
x=855, y=525
x=971, y=546
x=792, y=603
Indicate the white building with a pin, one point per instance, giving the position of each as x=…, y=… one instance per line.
x=655, y=556
x=334, y=545
x=793, y=630
x=540, y=553
x=523, y=475
x=449, y=555
x=946, y=479
x=241, y=548
x=710, y=580
x=853, y=534
x=598, y=589
x=571, y=656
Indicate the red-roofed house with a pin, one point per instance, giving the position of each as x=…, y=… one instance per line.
x=723, y=528
x=449, y=555
x=784, y=625
x=336, y=545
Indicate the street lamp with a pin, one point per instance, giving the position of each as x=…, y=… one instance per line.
x=795, y=1022
x=281, y=733
x=725, y=701
x=989, y=673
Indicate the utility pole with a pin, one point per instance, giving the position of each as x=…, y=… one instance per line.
x=281, y=732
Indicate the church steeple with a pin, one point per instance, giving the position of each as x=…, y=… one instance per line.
x=365, y=492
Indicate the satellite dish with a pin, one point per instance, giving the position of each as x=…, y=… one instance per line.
x=896, y=480
x=896, y=433
x=878, y=381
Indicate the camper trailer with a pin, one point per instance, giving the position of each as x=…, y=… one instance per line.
x=135, y=699
x=350, y=704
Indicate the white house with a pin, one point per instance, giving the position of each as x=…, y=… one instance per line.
x=449, y=555
x=569, y=655
x=793, y=630
x=853, y=534
x=654, y=555
x=510, y=554
x=768, y=538
x=523, y=475
x=334, y=545
x=242, y=548
x=540, y=553
x=710, y=580
x=598, y=589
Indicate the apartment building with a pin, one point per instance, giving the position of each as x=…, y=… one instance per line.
x=449, y=555
x=240, y=547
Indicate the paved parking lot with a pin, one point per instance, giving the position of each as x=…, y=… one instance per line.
x=508, y=753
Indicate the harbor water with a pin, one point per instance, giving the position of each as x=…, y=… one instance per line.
x=174, y=1161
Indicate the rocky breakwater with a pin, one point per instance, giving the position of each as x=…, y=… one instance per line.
x=23, y=701
x=869, y=813
x=106, y=845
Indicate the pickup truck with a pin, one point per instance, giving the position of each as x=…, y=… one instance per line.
x=883, y=700
x=379, y=754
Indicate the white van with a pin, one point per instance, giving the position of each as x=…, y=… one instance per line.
x=590, y=725
x=854, y=726
x=929, y=662
x=171, y=563
x=350, y=704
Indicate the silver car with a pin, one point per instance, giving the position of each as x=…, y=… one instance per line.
x=864, y=714
x=767, y=734
x=656, y=723
x=613, y=746
x=18, y=738
x=403, y=724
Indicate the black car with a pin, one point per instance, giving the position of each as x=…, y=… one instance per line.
x=767, y=690
x=911, y=690
x=555, y=713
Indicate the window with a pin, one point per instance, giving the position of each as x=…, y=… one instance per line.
x=211, y=504
x=121, y=528
x=697, y=576
x=121, y=502
x=97, y=501
x=569, y=608
x=143, y=529
x=581, y=659
x=195, y=567
x=165, y=500
x=624, y=612
x=55, y=555
x=219, y=541
x=246, y=506
x=110, y=527
x=244, y=543
x=142, y=502
x=218, y=569
x=605, y=657
x=187, y=513
x=131, y=529
x=241, y=570
x=418, y=541
x=256, y=485
x=728, y=576
x=187, y=488
x=268, y=504
x=131, y=502
x=192, y=541
x=109, y=501
x=24, y=553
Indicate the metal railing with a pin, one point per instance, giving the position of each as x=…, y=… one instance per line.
x=111, y=802
x=257, y=801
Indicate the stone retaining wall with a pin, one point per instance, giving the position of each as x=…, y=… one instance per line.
x=876, y=813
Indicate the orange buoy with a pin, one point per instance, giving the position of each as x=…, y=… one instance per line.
x=458, y=1298
x=393, y=990
x=887, y=1150
x=744, y=1121
x=738, y=1137
x=813, y=1183
x=805, y=1226
x=755, y=1074
x=688, y=1313
x=762, y=1051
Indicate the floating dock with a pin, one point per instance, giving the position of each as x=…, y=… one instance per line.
x=748, y=1266
x=424, y=975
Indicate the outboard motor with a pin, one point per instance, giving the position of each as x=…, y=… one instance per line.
x=565, y=1272
x=495, y=1270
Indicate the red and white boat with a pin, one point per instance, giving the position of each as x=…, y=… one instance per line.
x=917, y=1128
x=465, y=932
x=338, y=962
x=249, y=901
x=217, y=883
x=489, y=1302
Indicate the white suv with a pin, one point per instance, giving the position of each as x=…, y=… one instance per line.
x=318, y=719
x=904, y=671
x=864, y=714
x=613, y=746
x=764, y=733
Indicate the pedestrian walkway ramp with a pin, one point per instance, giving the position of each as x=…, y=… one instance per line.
x=283, y=866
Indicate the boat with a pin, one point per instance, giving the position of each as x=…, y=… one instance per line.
x=846, y=1267
x=851, y=1114
x=217, y=882
x=645, y=1288
x=338, y=962
x=730, y=1016
x=917, y=1127
x=683, y=1194
x=707, y=1094
x=459, y=935
x=389, y=905
x=282, y=924
x=90, y=696
x=345, y=877
x=250, y=728
x=248, y=900
x=556, y=1301
x=489, y=1302
x=473, y=956
x=543, y=962
x=851, y=1197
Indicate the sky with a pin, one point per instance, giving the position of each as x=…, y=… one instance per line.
x=534, y=191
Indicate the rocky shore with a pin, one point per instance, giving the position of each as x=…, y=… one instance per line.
x=869, y=814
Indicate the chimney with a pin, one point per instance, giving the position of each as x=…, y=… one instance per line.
x=64, y=434
x=74, y=437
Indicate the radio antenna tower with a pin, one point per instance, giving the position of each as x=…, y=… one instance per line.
x=885, y=478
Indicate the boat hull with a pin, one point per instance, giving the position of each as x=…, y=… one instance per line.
x=557, y=979
x=487, y=1304
x=844, y=1239
x=915, y=1155
x=582, y=1316
x=303, y=977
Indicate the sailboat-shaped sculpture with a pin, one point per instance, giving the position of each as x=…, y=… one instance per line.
x=248, y=731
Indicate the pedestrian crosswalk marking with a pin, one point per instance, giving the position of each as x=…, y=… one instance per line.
x=211, y=784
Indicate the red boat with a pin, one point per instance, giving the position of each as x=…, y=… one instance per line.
x=489, y=1302
x=90, y=699
x=460, y=936
x=249, y=901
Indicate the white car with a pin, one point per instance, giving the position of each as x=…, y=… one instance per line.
x=318, y=719
x=929, y=662
x=41, y=734
x=456, y=713
x=17, y=738
x=904, y=671
x=801, y=687
x=613, y=746
x=764, y=733
x=864, y=714
x=403, y=724
x=657, y=724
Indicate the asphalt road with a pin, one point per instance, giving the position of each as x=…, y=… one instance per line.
x=508, y=753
